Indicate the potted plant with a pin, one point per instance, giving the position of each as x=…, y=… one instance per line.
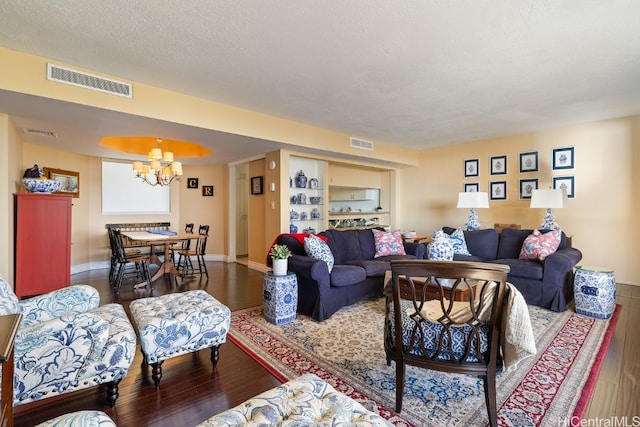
x=280, y=255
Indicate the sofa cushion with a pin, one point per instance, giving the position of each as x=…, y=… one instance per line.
x=374, y=268
x=388, y=243
x=525, y=268
x=480, y=243
x=539, y=246
x=318, y=249
x=344, y=244
x=347, y=275
x=511, y=241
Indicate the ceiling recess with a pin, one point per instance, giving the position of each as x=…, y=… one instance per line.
x=65, y=75
x=361, y=144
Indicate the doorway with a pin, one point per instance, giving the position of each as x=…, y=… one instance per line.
x=242, y=212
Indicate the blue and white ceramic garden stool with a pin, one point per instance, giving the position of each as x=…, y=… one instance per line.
x=594, y=292
x=280, y=294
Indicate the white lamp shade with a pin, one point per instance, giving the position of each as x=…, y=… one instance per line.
x=473, y=199
x=551, y=198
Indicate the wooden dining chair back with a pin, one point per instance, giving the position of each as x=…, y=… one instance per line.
x=500, y=226
x=184, y=245
x=185, y=262
x=135, y=263
x=446, y=316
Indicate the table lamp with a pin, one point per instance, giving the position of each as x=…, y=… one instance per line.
x=551, y=198
x=473, y=200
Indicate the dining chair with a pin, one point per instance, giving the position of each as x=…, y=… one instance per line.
x=184, y=245
x=446, y=316
x=185, y=263
x=122, y=260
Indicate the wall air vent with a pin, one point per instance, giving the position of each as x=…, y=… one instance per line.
x=38, y=132
x=60, y=74
x=361, y=144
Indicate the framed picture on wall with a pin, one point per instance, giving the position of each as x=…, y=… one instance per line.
x=471, y=167
x=526, y=188
x=70, y=180
x=471, y=187
x=498, y=190
x=499, y=165
x=529, y=161
x=256, y=185
x=566, y=183
x=563, y=158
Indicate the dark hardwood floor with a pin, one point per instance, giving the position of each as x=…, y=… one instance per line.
x=191, y=390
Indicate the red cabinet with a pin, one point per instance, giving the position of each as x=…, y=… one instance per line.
x=43, y=243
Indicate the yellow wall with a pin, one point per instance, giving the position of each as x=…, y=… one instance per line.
x=601, y=217
x=10, y=155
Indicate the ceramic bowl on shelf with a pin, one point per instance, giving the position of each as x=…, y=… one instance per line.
x=315, y=200
x=36, y=185
x=409, y=234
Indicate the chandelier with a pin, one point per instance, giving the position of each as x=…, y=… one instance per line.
x=161, y=170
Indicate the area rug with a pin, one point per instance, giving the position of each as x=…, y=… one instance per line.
x=347, y=351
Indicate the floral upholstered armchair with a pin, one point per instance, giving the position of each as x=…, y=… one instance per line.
x=66, y=342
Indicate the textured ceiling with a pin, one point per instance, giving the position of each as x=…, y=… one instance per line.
x=415, y=73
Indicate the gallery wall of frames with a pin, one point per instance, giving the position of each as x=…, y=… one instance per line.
x=527, y=166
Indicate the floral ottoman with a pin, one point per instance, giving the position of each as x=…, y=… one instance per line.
x=80, y=419
x=304, y=401
x=176, y=324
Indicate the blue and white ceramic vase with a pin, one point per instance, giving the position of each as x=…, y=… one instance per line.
x=440, y=248
x=301, y=180
x=293, y=228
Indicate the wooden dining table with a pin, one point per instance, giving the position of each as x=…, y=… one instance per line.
x=156, y=239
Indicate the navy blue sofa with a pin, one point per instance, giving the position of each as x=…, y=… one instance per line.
x=356, y=273
x=547, y=283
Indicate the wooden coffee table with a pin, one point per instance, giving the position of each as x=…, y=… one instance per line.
x=460, y=294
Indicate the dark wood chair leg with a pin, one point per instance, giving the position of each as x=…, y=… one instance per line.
x=156, y=372
x=215, y=354
x=490, y=398
x=399, y=385
x=112, y=392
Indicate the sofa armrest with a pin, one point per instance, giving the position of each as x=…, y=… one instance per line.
x=416, y=249
x=309, y=268
x=559, y=263
x=70, y=300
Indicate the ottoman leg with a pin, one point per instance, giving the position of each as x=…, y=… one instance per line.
x=215, y=354
x=156, y=372
x=112, y=392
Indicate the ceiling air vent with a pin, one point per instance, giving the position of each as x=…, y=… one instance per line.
x=361, y=144
x=60, y=74
x=38, y=132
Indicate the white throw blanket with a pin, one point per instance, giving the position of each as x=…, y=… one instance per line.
x=519, y=342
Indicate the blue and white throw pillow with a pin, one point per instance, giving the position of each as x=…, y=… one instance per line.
x=459, y=243
x=316, y=248
x=440, y=247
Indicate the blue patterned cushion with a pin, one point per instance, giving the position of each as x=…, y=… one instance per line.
x=80, y=419
x=318, y=249
x=458, y=242
x=440, y=247
x=433, y=332
x=8, y=300
x=304, y=401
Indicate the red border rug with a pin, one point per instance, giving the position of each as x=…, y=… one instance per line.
x=346, y=351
